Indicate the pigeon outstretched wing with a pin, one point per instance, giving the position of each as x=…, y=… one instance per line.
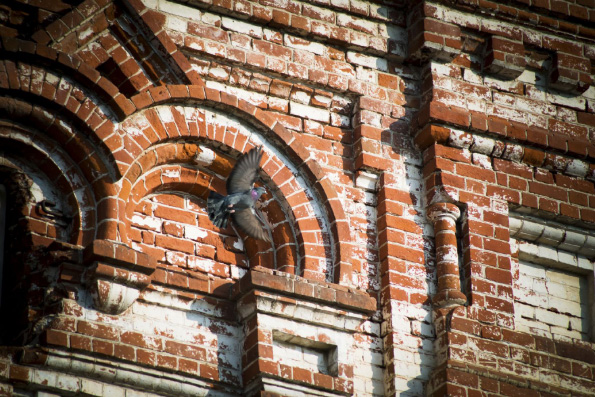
x=247, y=221
x=245, y=171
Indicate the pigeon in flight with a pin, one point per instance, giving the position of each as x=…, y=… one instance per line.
x=241, y=197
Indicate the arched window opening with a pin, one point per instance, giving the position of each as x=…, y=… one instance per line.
x=3, y=203
x=15, y=244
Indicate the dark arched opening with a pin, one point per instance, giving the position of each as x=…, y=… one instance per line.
x=15, y=248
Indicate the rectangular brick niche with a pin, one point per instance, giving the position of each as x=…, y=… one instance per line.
x=552, y=302
x=294, y=351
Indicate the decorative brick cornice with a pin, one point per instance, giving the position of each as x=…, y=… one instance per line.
x=260, y=278
x=505, y=149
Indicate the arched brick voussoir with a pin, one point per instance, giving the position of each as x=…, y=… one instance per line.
x=286, y=257
x=191, y=153
x=279, y=136
x=62, y=173
x=71, y=66
x=283, y=234
x=107, y=219
x=59, y=105
x=168, y=177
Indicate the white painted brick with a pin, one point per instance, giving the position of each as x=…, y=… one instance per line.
x=309, y=112
x=339, y=120
x=468, y=75
x=44, y=377
x=565, y=278
x=525, y=282
x=242, y=27
x=91, y=387
x=367, y=75
x=176, y=258
x=533, y=270
x=537, y=286
x=177, y=24
x=404, y=368
x=194, y=233
x=68, y=383
x=180, y=10
x=557, y=290
x=146, y=222
x=380, y=12
x=530, y=297
x=565, y=306
x=301, y=97
x=347, y=20
x=367, y=61
x=584, y=263
x=525, y=311
x=154, y=4
x=210, y=19
x=112, y=390
x=459, y=18
x=135, y=393
x=564, y=334
x=575, y=102
x=476, y=104
x=297, y=43
x=278, y=102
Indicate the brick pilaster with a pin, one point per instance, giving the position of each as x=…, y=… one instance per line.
x=444, y=217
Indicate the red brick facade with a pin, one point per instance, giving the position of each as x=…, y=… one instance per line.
x=431, y=198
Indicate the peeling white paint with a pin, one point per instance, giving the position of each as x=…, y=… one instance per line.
x=165, y=114
x=195, y=233
x=197, y=263
x=85, y=34
x=171, y=173
x=205, y=156
x=482, y=160
x=146, y=222
x=239, y=245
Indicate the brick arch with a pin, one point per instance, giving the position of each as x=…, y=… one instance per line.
x=38, y=54
x=97, y=167
x=155, y=130
x=53, y=96
x=171, y=167
x=62, y=172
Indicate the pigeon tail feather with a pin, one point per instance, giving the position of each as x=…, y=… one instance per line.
x=216, y=210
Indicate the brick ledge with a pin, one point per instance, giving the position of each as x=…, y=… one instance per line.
x=295, y=286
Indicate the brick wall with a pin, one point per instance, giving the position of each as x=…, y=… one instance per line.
x=406, y=145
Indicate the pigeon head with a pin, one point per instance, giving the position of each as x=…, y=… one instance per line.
x=256, y=193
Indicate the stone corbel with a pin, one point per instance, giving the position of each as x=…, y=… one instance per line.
x=429, y=37
x=570, y=74
x=504, y=58
x=116, y=275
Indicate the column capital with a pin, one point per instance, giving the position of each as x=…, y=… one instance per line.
x=442, y=210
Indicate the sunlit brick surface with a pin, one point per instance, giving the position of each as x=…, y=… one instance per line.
x=403, y=143
x=552, y=303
